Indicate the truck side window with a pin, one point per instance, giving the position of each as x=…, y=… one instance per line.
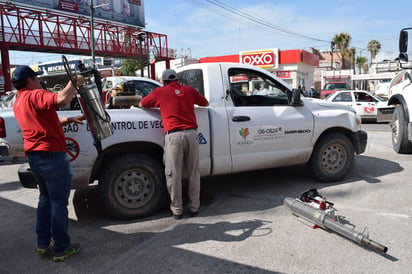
x=143, y=88
x=363, y=97
x=343, y=97
x=193, y=78
x=250, y=88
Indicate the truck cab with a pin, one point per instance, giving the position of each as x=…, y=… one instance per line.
x=331, y=87
x=399, y=108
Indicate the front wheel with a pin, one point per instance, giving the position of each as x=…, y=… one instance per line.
x=400, y=142
x=332, y=158
x=132, y=186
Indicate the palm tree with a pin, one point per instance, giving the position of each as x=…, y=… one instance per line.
x=373, y=47
x=341, y=41
x=351, y=55
x=365, y=68
x=360, y=63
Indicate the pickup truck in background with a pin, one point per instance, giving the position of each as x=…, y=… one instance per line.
x=331, y=87
x=237, y=132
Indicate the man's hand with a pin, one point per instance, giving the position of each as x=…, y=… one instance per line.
x=77, y=119
x=79, y=80
x=68, y=120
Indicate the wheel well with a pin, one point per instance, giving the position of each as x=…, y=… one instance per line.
x=153, y=150
x=343, y=131
x=399, y=100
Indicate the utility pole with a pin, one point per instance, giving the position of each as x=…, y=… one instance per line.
x=141, y=36
x=92, y=7
x=332, y=47
x=92, y=32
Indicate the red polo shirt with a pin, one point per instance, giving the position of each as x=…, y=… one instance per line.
x=35, y=111
x=176, y=104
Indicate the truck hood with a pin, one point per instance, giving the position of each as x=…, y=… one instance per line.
x=319, y=104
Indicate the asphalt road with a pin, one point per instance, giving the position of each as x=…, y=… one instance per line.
x=243, y=226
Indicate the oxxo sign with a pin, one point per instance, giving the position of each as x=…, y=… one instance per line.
x=264, y=58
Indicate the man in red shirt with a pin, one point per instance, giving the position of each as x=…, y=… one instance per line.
x=45, y=147
x=181, y=147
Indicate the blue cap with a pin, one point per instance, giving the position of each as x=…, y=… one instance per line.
x=21, y=73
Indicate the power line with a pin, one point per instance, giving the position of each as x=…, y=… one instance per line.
x=229, y=12
x=257, y=20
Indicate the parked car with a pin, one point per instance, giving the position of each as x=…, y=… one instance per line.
x=130, y=88
x=331, y=87
x=363, y=102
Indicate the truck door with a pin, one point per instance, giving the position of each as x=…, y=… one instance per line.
x=264, y=130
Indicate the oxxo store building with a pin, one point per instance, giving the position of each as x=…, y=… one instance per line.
x=296, y=67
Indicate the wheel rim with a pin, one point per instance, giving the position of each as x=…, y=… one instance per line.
x=134, y=189
x=395, y=130
x=334, y=158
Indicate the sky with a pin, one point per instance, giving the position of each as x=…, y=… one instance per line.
x=203, y=28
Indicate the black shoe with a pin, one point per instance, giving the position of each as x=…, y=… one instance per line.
x=193, y=214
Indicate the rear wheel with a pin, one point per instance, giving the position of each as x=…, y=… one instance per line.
x=332, y=158
x=400, y=142
x=132, y=186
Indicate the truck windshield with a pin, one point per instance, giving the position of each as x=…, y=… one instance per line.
x=335, y=86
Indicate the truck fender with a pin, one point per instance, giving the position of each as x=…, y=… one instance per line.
x=398, y=99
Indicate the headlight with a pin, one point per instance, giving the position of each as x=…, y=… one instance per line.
x=358, y=119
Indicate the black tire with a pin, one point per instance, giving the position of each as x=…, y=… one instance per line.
x=132, y=186
x=332, y=158
x=400, y=142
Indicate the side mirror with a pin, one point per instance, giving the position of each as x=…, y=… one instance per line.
x=403, y=49
x=403, y=57
x=403, y=42
x=294, y=97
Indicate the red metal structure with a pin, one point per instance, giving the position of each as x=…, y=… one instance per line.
x=40, y=30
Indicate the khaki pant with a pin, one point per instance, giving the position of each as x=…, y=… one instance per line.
x=182, y=150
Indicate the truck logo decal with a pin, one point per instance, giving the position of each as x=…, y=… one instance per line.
x=261, y=135
x=72, y=149
x=369, y=109
x=244, y=132
x=202, y=139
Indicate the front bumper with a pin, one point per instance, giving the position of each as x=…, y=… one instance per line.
x=4, y=149
x=361, y=139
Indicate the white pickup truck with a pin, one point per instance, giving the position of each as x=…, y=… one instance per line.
x=237, y=132
x=399, y=108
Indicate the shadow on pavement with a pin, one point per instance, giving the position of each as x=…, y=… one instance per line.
x=244, y=189
x=106, y=251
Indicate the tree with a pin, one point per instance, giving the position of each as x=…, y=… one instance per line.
x=373, y=47
x=365, y=68
x=361, y=62
x=129, y=67
x=351, y=55
x=341, y=41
